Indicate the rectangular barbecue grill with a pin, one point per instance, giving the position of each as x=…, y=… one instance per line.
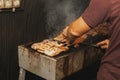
x=50, y=68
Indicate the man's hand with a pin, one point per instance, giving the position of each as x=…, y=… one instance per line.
x=62, y=37
x=103, y=44
x=65, y=36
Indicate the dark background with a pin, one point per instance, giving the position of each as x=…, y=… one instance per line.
x=38, y=20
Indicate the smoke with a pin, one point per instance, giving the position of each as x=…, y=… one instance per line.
x=60, y=13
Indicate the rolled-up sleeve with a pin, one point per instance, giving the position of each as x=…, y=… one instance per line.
x=96, y=13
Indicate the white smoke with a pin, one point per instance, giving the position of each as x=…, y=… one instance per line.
x=60, y=13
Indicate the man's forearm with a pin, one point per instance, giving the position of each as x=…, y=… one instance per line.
x=77, y=28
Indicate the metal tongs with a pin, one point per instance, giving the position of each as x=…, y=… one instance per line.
x=72, y=44
x=85, y=44
x=92, y=45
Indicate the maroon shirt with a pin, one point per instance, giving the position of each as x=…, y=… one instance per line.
x=97, y=12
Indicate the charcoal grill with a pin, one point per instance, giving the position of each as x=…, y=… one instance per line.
x=49, y=68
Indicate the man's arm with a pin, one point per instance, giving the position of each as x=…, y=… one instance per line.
x=96, y=13
x=76, y=29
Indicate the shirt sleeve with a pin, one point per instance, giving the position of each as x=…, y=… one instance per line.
x=96, y=12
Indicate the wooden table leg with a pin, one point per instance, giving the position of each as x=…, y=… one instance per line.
x=22, y=74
